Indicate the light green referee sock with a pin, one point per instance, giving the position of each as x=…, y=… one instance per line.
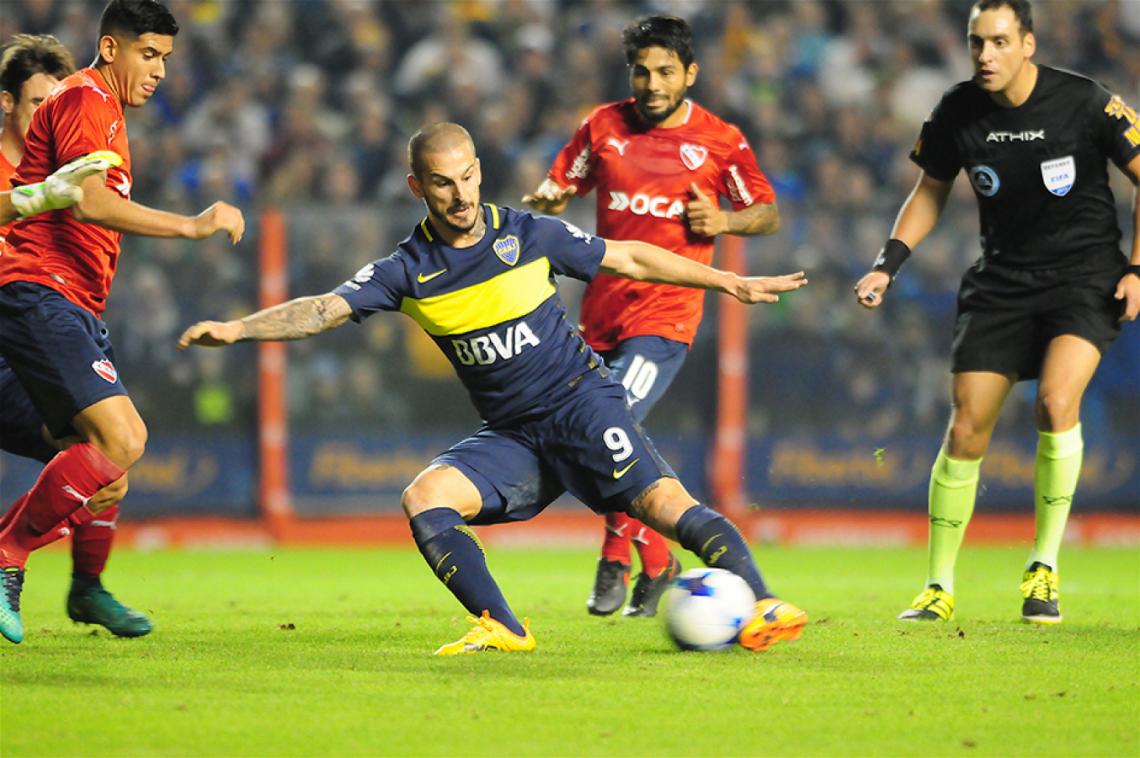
x=953, y=489
x=1055, y=476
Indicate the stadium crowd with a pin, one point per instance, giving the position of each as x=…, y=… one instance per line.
x=306, y=106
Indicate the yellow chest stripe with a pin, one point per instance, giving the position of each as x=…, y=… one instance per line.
x=509, y=295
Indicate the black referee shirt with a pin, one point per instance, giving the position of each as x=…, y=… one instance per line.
x=1040, y=170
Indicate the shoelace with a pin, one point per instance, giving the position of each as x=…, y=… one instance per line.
x=928, y=598
x=13, y=584
x=1038, y=586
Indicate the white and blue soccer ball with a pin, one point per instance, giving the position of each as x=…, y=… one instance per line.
x=706, y=608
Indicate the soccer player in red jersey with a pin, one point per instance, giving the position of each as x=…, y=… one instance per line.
x=30, y=68
x=56, y=273
x=660, y=163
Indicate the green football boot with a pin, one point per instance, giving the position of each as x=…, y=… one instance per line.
x=11, y=584
x=89, y=603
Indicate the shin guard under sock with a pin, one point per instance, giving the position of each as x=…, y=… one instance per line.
x=1055, y=475
x=67, y=482
x=718, y=543
x=455, y=555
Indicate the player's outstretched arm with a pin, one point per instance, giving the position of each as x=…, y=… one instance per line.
x=550, y=197
x=917, y=217
x=62, y=189
x=649, y=263
x=294, y=320
x=105, y=207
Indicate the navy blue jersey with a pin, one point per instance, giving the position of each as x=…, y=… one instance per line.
x=1039, y=170
x=492, y=308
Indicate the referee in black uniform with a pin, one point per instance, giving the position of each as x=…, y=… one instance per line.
x=1049, y=293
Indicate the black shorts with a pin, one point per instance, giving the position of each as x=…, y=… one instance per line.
x=61, y=355
x=1007, y=316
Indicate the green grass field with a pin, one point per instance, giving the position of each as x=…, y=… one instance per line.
x=329, y=653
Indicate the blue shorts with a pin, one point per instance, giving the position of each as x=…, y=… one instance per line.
x=645, y=366
x=59, y=353
x=590, y=446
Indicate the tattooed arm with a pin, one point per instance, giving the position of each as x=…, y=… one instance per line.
x=294, y=320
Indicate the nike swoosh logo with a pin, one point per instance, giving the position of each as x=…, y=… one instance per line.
x=619, y=473
x=424, y=279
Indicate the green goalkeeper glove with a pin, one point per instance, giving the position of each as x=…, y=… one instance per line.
x=61, y=189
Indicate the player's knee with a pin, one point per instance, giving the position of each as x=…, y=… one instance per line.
x=128, y=444
x=966, y=440
x=414, y=500
x=1056, y=411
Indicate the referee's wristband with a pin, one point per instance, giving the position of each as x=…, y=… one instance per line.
x=891, y=257
x=1133, y=268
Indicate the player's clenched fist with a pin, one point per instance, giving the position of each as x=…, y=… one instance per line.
x=869, y=290
x=219, y=217
x=704, y=215
x=550, y=197
x=764, y=289
x=211, y=334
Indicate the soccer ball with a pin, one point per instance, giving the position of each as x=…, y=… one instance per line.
x=705, y=608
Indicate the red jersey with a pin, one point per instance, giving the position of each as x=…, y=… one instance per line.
x=6, y=171
x=54, y=249
x=643, y=175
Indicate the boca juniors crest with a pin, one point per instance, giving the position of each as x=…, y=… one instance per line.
x=507, y=249
x=1059, y=175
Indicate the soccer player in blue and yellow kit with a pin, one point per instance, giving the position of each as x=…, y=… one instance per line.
x=479, y=279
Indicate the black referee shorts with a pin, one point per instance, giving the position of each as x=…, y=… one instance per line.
x=1007, y=316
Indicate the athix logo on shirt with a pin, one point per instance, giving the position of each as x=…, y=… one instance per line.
x=641, y=205
x=488, y=348
x=105, y=370
x=1029, y=135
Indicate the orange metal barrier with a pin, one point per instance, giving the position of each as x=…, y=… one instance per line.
x=726, y=467
x=273, y=427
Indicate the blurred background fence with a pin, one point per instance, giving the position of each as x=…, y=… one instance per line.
x=306, y=105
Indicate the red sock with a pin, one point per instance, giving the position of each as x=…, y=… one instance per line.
x=651, y=548
x=59, y=531
x=67, y=482
x=615, y=547
x=92, y=541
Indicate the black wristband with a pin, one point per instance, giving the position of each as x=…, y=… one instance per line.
x=1133, y=268
x=891, y=257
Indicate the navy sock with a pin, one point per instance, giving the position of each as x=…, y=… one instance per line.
x=453, y=552
x=718, y=543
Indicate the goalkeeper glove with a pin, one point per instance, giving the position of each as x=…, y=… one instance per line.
x=61, y=189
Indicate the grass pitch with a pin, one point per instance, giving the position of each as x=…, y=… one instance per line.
x=329, y=653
